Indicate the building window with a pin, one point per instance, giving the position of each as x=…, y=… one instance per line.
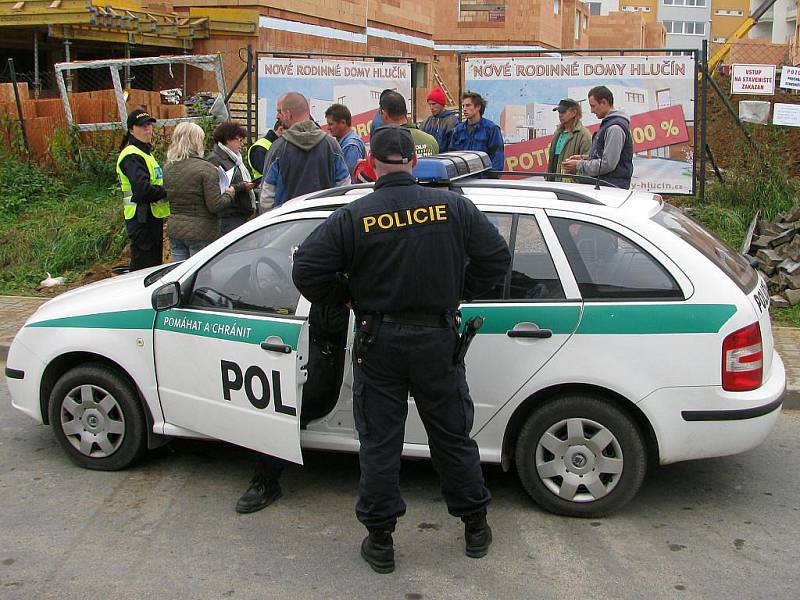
x=481, y=11
x=722, y=12
x=556, y=6
x=585, y=22
x=636, y=9
x=634, y=97
x=594, y=8
x=685, y=27
x=695, y=2
x=577, y=25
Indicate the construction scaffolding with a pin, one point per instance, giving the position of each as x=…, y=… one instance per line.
x=207, y=62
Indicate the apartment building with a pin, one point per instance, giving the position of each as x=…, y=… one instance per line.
x=778, y=24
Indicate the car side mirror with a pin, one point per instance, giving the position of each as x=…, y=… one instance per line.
x=167, y=296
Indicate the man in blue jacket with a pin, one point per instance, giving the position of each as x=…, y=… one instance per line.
x=477, y=133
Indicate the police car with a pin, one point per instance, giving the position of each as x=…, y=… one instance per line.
x=623, y=336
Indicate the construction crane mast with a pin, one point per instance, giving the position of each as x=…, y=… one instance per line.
x=742, y=30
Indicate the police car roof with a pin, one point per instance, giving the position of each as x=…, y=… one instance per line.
x=527, y=193
x=460, y=172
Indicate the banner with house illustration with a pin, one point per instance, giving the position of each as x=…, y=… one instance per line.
x=356, y=84
x=656, y=92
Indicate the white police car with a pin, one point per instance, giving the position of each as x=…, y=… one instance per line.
x=623, y=336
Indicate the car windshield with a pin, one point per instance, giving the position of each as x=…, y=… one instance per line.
x=733, y=264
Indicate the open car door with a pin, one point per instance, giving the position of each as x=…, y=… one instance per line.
x=230, y=360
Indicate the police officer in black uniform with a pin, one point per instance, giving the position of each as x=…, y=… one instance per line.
x=404, y=257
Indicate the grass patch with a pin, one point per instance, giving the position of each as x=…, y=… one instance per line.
x=751, y=187
x=49, y=225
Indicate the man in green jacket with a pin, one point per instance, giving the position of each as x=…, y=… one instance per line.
x=570, y=137
x=394, y=112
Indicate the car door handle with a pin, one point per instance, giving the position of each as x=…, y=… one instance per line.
x=282, y=348
x=524, y=333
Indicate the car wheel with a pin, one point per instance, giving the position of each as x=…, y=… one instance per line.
x=581, y=456
x=97, y=418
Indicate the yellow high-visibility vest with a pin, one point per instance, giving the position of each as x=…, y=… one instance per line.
x=159, y=209
x=264, y=143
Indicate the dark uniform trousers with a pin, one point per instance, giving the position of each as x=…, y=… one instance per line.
x=418, y=359
x=147, y=241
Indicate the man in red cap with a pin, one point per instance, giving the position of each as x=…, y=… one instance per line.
x=442, y=121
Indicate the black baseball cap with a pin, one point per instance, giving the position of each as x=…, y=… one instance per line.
x=566, y=104
x=139, y=117
x=392, y=140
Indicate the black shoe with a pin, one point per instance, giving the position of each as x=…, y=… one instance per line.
x=262, y=492
x=378, y=550
x=478, y=535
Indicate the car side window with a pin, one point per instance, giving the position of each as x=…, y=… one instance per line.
x=607, y=265
x=533, y=273
x=503, y=223
x=254, y=274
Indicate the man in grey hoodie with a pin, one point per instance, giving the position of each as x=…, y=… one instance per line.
x=304, y=159
x=610, y=158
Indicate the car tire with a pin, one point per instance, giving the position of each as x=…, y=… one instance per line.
x=568, y=470
x=97, y=418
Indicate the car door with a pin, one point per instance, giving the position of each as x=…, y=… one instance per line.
x=527, y=317
x=230, y=358
x=638, y=324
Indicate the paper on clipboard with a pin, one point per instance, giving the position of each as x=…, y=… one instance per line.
x=225, y=178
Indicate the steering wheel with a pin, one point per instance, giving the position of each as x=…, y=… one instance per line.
x=213, y=298
x=269, y=281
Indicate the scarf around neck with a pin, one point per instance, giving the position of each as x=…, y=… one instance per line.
x=237, y=158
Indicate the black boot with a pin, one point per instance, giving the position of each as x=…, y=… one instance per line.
x=478, y=534
x=378, y=550
x=261, y=493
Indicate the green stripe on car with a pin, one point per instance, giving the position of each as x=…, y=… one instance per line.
x=123, y=319
x=606, y=319
x=652, y=319
x=500, y=318
x=235, y=329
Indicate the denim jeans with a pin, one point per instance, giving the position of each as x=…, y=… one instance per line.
x=183, y=249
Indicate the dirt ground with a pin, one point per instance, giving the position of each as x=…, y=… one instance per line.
x=726, y=139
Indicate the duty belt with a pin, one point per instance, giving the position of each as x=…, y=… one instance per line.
x=443, y=321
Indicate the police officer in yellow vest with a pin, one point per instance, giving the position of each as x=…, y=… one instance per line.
x=144, y=201
x=257, y=153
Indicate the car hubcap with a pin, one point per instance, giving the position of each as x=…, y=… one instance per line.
x=579, y=460
x=92, y=421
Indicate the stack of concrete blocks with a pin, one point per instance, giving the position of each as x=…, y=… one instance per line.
x=776, y=250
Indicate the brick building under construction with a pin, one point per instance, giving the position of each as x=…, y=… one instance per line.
x=39, y=33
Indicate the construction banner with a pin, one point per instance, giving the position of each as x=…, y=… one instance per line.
x=656, y=92
x=356, y=84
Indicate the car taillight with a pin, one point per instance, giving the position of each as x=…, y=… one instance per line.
x=742, y=359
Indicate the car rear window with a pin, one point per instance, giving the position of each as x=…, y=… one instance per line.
x=733, y=264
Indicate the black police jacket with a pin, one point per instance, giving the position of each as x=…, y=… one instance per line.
x=402, y=248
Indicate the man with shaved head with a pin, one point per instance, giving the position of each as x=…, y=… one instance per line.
x=304, y=159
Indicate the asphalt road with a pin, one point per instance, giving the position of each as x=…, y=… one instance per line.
x=722, y=528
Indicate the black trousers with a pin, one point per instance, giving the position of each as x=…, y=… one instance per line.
x=147, y=241
x=418, y=359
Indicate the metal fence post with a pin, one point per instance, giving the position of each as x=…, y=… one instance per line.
x=704, y=120
x=19, y=104
x=37, y=82
x=249, y=94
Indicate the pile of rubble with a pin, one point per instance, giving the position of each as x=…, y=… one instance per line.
x=775, y=251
